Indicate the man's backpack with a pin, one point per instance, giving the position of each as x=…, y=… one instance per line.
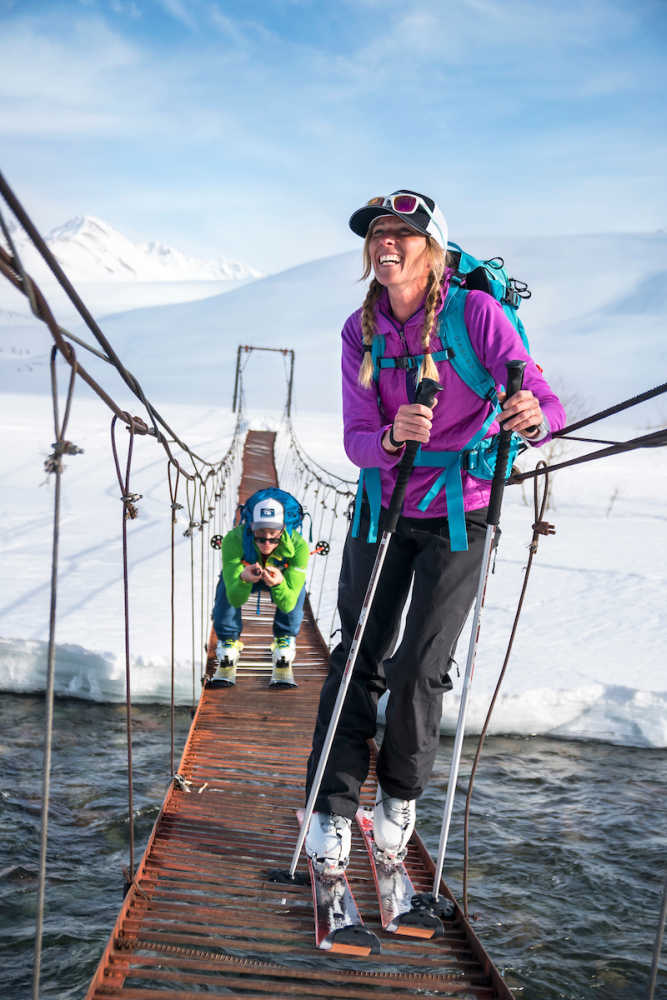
x=293, y=511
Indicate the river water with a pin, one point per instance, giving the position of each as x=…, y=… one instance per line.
x=567, y=851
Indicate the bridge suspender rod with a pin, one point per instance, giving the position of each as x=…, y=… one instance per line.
x=54, y=464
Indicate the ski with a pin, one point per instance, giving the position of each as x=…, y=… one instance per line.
x=338, y=924
x=401, y=911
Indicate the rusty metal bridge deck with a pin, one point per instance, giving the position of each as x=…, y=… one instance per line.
x=201, y=915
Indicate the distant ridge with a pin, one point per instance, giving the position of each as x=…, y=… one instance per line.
x=89, y=249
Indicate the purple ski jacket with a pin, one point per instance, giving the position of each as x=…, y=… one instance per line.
x=459, y=413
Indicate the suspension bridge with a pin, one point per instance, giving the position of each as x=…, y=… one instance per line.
x=200, y=913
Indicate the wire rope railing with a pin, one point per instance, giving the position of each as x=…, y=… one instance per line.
x=655, y=439
x=205, y=481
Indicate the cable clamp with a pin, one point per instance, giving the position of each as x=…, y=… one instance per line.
x=541, y=528
x=130, y=500
x=66, y=448
x=53, y=463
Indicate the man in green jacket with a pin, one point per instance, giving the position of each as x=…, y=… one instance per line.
x=271, y=558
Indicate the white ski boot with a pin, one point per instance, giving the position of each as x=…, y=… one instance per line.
x=227, y=652
x=393, y=823
x=328, y=843
x=283, y=651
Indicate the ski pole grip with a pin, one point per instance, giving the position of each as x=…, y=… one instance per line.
x=427, y=390
x=514, y=382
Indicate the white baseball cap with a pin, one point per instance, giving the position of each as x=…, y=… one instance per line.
x=415, y=209
x=267, y=514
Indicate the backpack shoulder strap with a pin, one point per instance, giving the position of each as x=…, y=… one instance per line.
x=516, y=322
x=454, y=336
x=377, y=353
x=249, y=551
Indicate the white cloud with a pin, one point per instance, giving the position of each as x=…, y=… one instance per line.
x=180, y=11
x=70, y=69
x=227, y=26
x=93, y=76
x=466, y=104
x=126, y=7
x=499, y=43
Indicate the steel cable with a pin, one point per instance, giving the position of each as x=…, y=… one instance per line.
x=53, y=465
x=642, y=397
x=318, y=537
x=334, y=511
x=656, y=439
x=201, y=496
x=173, y=493
x=188, y=534
x=129, y=513
x=540, y=527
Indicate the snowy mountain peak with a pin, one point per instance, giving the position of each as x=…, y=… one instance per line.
x=75, y=225
x=89, y=249
x=86, y=227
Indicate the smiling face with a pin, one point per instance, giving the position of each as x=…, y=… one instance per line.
x=399, y=255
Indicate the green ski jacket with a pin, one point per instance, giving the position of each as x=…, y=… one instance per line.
x=290, y=556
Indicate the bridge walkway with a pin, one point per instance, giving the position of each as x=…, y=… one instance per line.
x=201, y=915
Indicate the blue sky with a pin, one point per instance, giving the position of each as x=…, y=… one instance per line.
x=253, y=130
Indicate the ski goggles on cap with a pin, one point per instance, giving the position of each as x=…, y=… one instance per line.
x=406, y=204
x=419, y=212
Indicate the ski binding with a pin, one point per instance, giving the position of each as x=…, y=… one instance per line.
x=338, y=924
x=400, y=909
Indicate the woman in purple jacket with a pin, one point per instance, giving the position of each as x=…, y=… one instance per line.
x=405, y=246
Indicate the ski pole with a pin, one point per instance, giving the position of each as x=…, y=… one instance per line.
x=514, y=382
x=426, y=393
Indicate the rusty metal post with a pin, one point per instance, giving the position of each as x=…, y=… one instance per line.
x=236, y=377
x=290, y=383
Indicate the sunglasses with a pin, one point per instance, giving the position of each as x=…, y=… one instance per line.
x=266, y=539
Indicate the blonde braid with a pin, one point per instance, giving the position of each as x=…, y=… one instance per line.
x=368, y=331
x=427, y=368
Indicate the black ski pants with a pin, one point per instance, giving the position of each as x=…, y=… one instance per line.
x=444, y=588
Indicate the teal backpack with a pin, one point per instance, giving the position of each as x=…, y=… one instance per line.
x=478, y=457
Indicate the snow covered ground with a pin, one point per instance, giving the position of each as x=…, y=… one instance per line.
x=588, y=661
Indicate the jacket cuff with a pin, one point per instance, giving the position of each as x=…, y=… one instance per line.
x=389, y=458
x=543, y=432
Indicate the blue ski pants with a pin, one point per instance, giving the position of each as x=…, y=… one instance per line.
x=227, y=620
